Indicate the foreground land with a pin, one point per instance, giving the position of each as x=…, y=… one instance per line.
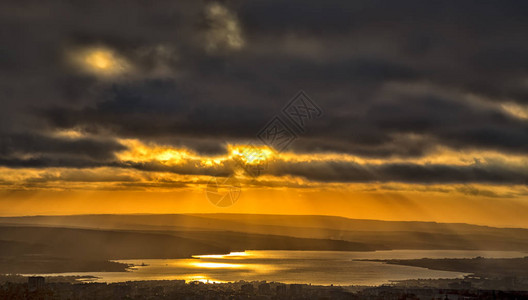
x=176, y=289
x=480, y=267
x=50, y=244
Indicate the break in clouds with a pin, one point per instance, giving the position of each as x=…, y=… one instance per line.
x=396, y=80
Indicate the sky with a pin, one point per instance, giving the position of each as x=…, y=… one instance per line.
x=393, y=110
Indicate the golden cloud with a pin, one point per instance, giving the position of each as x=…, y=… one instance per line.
x=100, y=61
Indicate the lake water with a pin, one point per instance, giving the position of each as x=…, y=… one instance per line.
x=316, y=267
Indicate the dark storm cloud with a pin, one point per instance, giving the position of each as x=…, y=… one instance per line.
x=41, y=151
x=402, y=172
x=465, y=44
x=393, y=78
x=383, y=127
x=24, y=144
x=50, y=161
x=160, y=108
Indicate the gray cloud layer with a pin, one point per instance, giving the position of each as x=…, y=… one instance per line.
x=395, y=78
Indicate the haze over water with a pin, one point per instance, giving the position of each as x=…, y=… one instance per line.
x=315, y=267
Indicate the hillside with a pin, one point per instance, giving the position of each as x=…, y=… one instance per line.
x=30, y=249
x=376, y=234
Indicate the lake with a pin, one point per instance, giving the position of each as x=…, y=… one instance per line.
x=315, y=267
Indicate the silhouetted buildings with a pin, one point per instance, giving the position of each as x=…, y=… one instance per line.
x=36, y=283
x=264, y=288
x=40, y=288
x=247, y=288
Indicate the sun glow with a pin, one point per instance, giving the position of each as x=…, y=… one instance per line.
x=140, y=152
x=100, y=61
x=252, y=155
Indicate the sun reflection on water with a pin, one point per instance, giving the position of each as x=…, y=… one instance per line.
x=199, y=277
x=224, y=261
x=230, y=255
x=213, y=265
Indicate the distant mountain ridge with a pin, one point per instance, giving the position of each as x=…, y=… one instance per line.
x=374, y=233
x=306, y=221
